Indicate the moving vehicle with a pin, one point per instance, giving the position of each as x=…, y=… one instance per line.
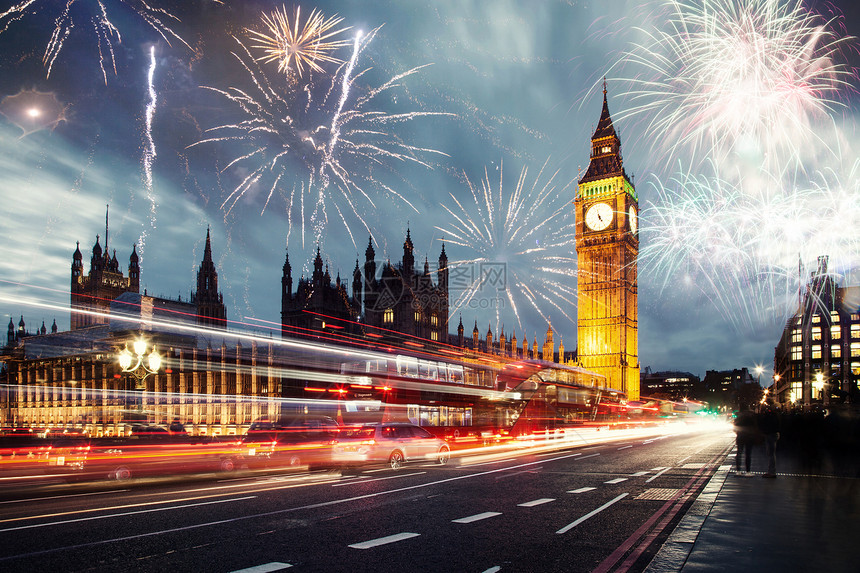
x=289, y=441
x=390, y=443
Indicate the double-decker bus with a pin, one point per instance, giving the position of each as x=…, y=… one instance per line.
x=458, y=399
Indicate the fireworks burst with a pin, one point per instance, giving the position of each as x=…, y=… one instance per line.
x=740, y=249
x=522, y=243
x=334, y=134
x=94, y=14
x=742, y=78
x=295, y=46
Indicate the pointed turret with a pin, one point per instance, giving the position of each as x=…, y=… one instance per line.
x=134, y=270
x=54, y=327
x=287, y=281
x=605, y=148
x=408, y=257
x=210, y=303
x=356, y=284
x=317, y=277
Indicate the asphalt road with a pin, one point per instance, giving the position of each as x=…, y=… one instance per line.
x=600, y=507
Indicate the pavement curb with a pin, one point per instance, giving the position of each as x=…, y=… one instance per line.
x=672, y=557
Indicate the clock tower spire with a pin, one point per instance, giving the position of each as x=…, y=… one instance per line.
x=607, y=247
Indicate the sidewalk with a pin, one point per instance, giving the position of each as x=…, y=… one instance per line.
x=804, y=520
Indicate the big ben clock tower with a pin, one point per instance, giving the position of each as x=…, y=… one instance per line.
x=607, y=244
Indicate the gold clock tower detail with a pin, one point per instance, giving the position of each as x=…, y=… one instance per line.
x=607, y=245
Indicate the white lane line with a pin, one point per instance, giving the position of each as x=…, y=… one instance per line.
x=476, y=517
x=657, y=469
x=582, y=490
x=494, y=569
x=384, y=540
x=639, y=474
x=377, y=479
x=655, y=476
x=624, y=447
x=536, y=502
x=37, y=499
x=616, y=480
x=591, y=514
x=554, y=453
x=489, y=463
x=264, y=568
x=63, y=522
x=276, y=511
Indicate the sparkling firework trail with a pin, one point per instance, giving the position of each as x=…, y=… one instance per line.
x=746, y=79
x=92, y=13
x=522, y=241
x=741, y=249
x=294, y=46
x=334, y=135
x=149, y=153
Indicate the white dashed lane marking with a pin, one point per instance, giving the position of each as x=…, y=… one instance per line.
x=536, y=502
x=384, y=540
x=582, y=490
x=655, y=476
x=616, y=480
x=265, y=568
x=624, y=447
x=476, y=517
x=591, y=514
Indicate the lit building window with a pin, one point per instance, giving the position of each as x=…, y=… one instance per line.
x=796, y=352
x=434, y=320
x=855, y=317
x=855, y=331
x=434, y=336
x=834, y=316
x=855, y=349
x=816, y=319
x=816, y=351
x=796, y=336
x=836, y=352
x=816, y=333
x=388, y=316
x=835, y=332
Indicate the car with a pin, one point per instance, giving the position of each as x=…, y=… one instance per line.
x=289, y=441
x=392, y=443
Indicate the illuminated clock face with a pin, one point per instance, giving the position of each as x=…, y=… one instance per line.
x=598, y=216
x=634, y=222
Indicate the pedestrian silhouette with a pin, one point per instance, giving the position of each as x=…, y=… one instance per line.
x=745, y=432
x=768, y=423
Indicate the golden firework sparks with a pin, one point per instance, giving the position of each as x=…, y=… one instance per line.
x=294, y=45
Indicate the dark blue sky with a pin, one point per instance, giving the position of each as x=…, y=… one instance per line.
x=520, y=85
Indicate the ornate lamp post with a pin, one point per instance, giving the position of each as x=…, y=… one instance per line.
x=140, y=364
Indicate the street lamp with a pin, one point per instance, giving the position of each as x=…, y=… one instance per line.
x=819, y=383
x=140, y=368
x=139, y=365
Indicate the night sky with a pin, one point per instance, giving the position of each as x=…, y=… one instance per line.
x=509, y=86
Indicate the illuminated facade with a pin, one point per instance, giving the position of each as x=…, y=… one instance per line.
x=607, y=246
x=818, y=356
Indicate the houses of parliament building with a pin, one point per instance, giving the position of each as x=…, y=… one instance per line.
x=217, y=381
